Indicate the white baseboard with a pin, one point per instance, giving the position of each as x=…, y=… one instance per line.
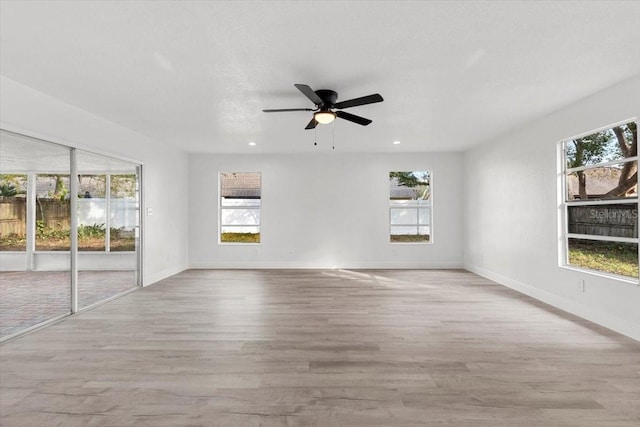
x=163, y=274
x=603, y=319
x=297, y=265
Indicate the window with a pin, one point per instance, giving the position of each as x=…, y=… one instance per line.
x=92, y=211
x=123, y=205
x=410, y=207
x=53, y=212
x=13, y=212
x=600, y=201
x=240, y=201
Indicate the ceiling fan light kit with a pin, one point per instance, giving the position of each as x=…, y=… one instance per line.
x=326, y=104
x=324, y=117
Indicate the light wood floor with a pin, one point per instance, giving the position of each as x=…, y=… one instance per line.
x=321, y=348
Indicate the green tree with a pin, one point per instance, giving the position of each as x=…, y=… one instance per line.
x=610, y=144
x=60, y=190
x=627, y=138
x=410, y=179
x=123, y=185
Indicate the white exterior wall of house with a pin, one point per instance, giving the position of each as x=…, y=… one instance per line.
x=33, y=113
x=325, y=210
x=511, y=212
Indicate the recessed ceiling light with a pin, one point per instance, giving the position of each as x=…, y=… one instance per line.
x=396, y=142
x=251, y=143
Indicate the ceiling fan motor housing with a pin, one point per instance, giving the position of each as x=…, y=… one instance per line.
x=329, y=98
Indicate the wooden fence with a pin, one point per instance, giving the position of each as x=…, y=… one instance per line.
x=13, y=214
x=618, y=220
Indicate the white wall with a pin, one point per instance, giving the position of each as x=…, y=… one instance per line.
x=506, y=183
x=511, y=206
x=325, y=210
x=33, y=113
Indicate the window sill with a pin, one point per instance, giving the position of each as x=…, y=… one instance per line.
x=617, y=278
x=411, y=243
x=238, y=244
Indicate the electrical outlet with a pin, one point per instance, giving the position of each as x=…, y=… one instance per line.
x=581, y=285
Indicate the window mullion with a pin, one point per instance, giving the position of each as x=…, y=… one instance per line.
x=601, y=165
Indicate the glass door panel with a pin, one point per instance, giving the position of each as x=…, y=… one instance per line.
x=92, y=212
x=35, y=279
x=108, y=217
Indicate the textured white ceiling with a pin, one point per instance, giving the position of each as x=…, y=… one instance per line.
x=197, y=74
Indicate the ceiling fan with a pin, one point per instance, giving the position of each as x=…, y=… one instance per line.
x=325, y=102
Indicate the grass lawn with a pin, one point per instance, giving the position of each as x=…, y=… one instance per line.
x=608, y=257
x=409, y=238
x=240, y=237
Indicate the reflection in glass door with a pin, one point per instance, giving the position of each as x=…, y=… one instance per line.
x=35, y=279
x=108, y=221
x=69, y=231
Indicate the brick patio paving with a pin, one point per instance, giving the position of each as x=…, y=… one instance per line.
x=28, y=298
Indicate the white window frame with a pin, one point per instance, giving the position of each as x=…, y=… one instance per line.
x=221, y=207
x=428, y=203
x=564, y=204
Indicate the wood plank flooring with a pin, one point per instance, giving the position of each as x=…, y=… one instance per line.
x=321, y=348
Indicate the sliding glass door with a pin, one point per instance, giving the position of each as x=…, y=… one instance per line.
x=69, y=230
x=35, y=279
x=108, y=223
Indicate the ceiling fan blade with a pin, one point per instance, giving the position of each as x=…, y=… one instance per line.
x=309, y=93
x=353, y=118
x=369, y=99
x=312, y=124
x=287, y=109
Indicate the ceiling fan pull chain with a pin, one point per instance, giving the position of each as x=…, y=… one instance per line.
x=333, y=145
x=315, y=136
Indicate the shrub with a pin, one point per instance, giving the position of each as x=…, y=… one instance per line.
x=91, y=231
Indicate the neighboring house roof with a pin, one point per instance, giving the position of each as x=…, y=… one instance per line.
x=240, y=184
x=599, y=182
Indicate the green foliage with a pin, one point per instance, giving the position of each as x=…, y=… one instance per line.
x=45, y=232
x=590, y=149
x=599, y=147
x=123, y=185
x=91, y=231
x=90, y=237
x=418, y=181
x=13, y=180
x=8, y=189
x=60, y=192
x=410, y=179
